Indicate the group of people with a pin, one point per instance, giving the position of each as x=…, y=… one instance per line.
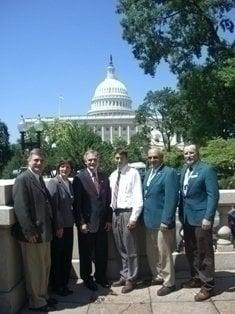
x=97, y=205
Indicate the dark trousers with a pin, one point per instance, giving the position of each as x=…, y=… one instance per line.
x=61, y=257
x=93, y=247
x=200, y=253
x=126, y=243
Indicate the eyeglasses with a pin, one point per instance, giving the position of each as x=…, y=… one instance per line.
x=153, y=157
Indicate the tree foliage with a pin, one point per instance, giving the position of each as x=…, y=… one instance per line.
x=209, y=104
x=71, y=140
x=161, y=110
x=5, y=152
x=176, y=31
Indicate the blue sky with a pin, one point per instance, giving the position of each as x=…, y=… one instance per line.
x=61, y=47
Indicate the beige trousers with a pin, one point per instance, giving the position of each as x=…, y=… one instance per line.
x=37, y=262
x=159, y=247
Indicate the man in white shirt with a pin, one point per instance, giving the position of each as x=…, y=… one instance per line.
x=127, y=202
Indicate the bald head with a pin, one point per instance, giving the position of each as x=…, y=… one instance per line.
x=191, y=154
x=155, y=157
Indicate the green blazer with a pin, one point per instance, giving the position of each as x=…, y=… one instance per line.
x=160, y=198
x=201, y=199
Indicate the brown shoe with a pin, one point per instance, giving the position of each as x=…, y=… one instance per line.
x=129, y=286
x=121, y=282
x=204, y=294
x=157, y=281
x=192, y=283
x=164, y=290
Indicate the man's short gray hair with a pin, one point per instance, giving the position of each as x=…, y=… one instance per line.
x=89, y=152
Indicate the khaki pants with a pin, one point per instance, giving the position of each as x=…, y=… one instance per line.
x=159, y=247
x=37, y=261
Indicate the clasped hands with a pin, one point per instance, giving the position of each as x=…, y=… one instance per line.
x=85, y=229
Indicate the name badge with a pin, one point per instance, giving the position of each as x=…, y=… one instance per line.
x=194, y=176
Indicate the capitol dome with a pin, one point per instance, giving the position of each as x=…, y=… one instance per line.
x=111, y=96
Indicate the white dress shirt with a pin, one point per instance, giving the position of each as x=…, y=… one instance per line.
x=129, y=191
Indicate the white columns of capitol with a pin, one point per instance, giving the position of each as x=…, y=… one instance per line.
x=119, y=131
x=102, y=133
x=128, y=134
x=111, y=134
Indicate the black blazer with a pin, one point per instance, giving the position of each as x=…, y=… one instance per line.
x=33, y=209
x=90, y=207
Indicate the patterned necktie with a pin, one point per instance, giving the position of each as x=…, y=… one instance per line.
x=115, y=191
x=187, y=176
x=96, y=183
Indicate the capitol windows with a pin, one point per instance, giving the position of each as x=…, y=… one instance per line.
x=124, y=128
x=107, y=129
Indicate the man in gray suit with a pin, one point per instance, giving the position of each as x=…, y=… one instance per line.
x=34, y=230
x=199, y=197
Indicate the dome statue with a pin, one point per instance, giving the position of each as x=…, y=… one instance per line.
x=111, y=96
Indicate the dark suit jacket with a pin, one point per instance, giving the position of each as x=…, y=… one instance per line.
x=161, y=198
x=90, y=207
x=62, y=202
x=32, y=208
x=201, y=199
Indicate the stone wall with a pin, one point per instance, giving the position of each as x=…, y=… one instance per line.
x=12, y=287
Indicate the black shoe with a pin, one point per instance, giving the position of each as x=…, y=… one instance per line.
x=129, y=286
x=164, y=290
x=104, y=283
x=91, y=285
x=69, y=291
x=51, y=301
x=62, y=292
x=192, y=283
x=204, y=294
x=45, y=308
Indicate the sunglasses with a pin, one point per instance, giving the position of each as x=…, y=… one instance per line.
x=153, y=157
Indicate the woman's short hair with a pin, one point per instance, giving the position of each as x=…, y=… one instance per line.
x=63, y=162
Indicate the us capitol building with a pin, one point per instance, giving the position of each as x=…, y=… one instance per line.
x=111, y=115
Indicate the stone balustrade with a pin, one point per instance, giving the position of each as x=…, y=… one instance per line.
x=12, y=287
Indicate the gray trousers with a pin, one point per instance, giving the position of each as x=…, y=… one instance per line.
x=126, y=243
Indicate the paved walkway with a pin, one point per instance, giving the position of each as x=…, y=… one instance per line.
x=145, y=300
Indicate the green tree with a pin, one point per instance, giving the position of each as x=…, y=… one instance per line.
x=176, y=31
x=220, y=153
x=208, y=104
x=138, y=147
x=71, y=140
x=161, y=110
x=5, y=152
x=15, y=163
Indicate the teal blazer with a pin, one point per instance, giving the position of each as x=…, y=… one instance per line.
x=160, y=198
x=201, y=199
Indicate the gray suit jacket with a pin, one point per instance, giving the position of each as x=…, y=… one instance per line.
x=62, y=201
x=33, y=209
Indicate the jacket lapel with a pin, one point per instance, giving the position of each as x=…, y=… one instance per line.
x=63, y=185
x=37, y=183
x=191, y=181
x=154, y=179
x=89, y=181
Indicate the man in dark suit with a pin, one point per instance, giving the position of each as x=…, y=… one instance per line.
x=93, y=217
x=199, y=196
x=160, y=202
x=34, y=230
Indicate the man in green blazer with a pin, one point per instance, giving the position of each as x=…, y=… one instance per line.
x=160, y=201
x=199, y=196
x=33, y=229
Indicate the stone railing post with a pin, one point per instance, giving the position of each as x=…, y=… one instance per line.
x=12, y=288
